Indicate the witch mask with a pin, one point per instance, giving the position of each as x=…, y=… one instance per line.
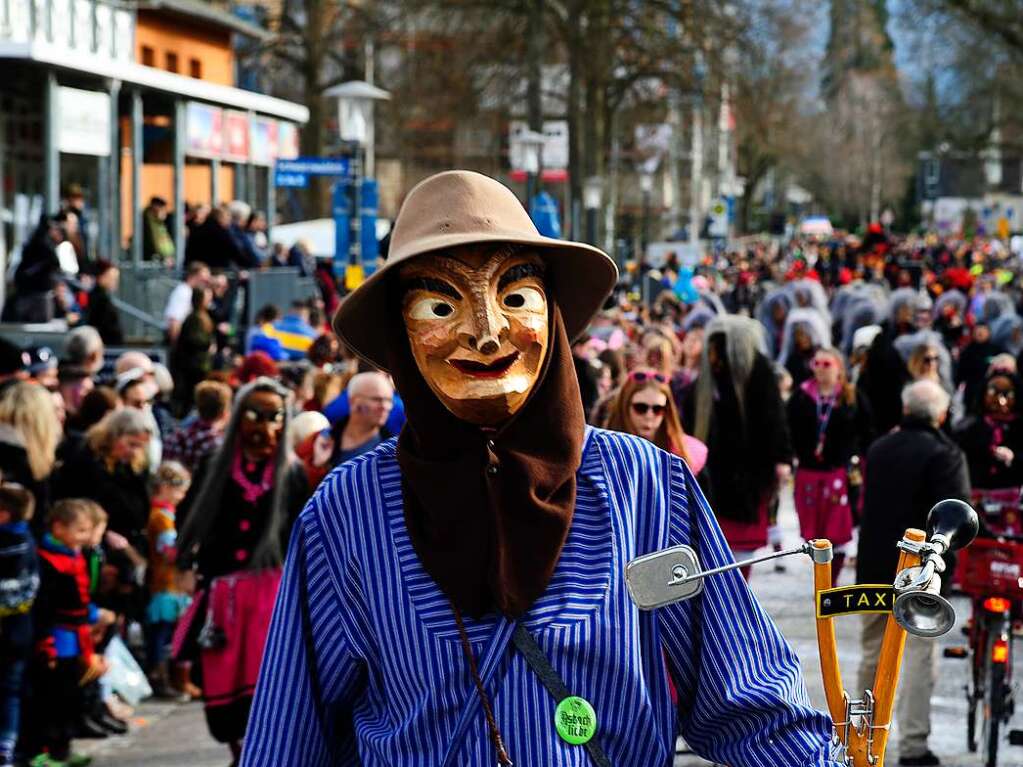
x=478, y=327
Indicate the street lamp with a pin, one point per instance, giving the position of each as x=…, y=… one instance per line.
x=355, y=100
x=593, y=193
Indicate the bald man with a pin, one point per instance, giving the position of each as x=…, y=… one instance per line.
x=371, y=397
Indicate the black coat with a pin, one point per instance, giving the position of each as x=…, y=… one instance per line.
x=14, y=468
x=122, y=493
x=39, y=266
x=19, y=582
x=848, y=431
x=103, y=315
x=743, y=452
x=976, y=437
x=882, y=380
x=907, y=472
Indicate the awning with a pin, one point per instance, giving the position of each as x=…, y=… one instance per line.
x=154, y=79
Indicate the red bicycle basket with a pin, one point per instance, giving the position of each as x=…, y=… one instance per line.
x=991, y=568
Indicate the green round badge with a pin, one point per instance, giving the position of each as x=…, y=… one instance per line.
x=575, y=720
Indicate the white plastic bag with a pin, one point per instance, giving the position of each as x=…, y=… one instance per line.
x=125, y=677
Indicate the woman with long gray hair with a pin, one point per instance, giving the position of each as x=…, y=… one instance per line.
x=735, y=409
x=235, y=526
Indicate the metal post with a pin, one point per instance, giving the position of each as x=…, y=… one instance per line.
x=271, y=201
x=696, y=191
x=215, y=182
x=137, y=152
x=51, y=148
x=113, y=242
x=3, y=237
x=180, y=132
x=675, y=162
x=534, y=56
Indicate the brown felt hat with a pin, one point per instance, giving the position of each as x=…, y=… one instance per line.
x=459, y=207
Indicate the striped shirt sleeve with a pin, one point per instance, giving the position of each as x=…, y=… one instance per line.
x=301, y=714
x=742, y=699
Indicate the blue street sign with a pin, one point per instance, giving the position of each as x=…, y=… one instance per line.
x=315, y=166
x=291, y=180
x=342, y=209
x=368, y=246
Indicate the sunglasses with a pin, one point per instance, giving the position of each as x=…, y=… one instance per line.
x=275, y=417
x=639, y=376
x=642, y=408
x=822, y=364
x=932, y=359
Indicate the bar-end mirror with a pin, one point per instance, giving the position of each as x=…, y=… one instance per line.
x=663, y=577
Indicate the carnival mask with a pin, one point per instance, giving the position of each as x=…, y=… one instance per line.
x=262, y=418
x=1000, y=398
x=477, y=324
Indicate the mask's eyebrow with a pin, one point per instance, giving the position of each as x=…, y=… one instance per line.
x=520, y=272
x=431, y=284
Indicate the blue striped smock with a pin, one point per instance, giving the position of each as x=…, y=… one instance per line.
x=363, y=664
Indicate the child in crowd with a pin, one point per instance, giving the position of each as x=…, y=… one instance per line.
x=167, y=601
x=19, y=582
x=64, y=614
x=96, y=720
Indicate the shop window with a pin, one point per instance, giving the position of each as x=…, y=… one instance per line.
x=195, y=68
x=148, y=56
x=172, y=62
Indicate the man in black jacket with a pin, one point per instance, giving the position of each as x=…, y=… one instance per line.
x=909, y=470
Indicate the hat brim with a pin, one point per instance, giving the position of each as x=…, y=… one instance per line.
x=582, y=276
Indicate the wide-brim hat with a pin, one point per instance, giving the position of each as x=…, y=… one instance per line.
x=458, y=208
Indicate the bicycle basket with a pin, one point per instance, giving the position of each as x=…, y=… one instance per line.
x=992, y=568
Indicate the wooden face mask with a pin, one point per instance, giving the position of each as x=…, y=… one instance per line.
x=478, y=327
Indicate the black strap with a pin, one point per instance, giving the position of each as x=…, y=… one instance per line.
x=537, y=661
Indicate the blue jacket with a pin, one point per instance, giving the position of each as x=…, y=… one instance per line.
x=19, y=584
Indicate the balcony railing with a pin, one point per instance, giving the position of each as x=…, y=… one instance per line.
x=81, y=27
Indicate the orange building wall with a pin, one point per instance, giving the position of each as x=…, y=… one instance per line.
x=210, y=45
x=158, y=181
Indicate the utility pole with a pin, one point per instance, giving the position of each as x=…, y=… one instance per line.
x=696, y=191
x=534, y=96
x=675, y=161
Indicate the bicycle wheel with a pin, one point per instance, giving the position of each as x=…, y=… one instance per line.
x=993, y=707
x=975, y=688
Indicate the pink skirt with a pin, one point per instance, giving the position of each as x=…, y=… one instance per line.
x=822, y=503
x=746, y=536
x=240, y=607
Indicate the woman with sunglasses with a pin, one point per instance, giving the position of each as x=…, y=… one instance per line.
x=644, y=407
x=830, y=425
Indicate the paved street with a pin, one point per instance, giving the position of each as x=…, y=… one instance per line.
x=168, y=735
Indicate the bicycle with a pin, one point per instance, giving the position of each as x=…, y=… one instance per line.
x=990, y=574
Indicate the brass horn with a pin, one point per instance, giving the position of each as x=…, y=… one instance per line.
x=919, y=607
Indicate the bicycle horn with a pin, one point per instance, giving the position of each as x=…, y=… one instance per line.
x=919, y=606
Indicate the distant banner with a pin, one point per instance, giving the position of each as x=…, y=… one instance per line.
x=83, y=122
x=264, y=141
x=205, y=131
x=236, y=137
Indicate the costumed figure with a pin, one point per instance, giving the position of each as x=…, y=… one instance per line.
x=440, y=588
x=830, y=425
x=861, y=312
x=234, y=527
x=772, y=313
x=925, y=356
x=949, y=319
x=806, y=331
x=884, y=373
x=809, y=294
x=1007, y=333
x=736, y=410
x=993, y=439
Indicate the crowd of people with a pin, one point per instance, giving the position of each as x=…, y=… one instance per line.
x=154, y=504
